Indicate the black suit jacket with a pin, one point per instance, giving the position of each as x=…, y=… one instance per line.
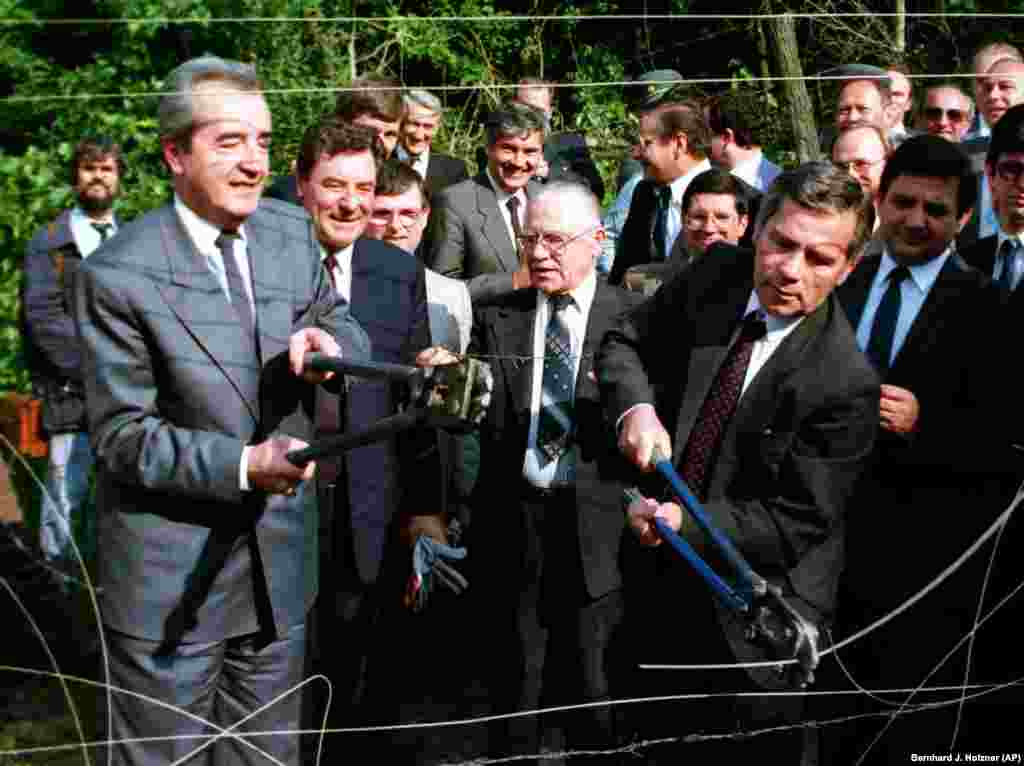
x=799, y=439
x=176, y=387
x=389, y=300
x=506, y=329
x=982, y=255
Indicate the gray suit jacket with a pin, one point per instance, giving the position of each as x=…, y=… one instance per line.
x=469, y=240
x=175, y=390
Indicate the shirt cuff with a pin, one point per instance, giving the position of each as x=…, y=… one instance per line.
x=243, y=469
x=618, y=423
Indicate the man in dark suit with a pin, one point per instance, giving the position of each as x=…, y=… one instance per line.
x=734, y=119
x=547, y=507
x=924, y=318
x=422, y=118
x=52, y=350
x=194, y=321
x=1001, y=255
x=676, y=139
x=750, y=363
x=473, y=224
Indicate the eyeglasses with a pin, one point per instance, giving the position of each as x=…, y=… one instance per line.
x=934, y=114
x=554, y=243
x=861, y=166
x=407, y=217
x=1010, y=170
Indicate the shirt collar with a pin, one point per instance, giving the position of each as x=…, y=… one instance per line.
x=773, y=324
x=504, y=196
x=78, y=214
x=679, y=185
x=1003, y=236
x=343, y=256
x=203, y=233
x=923, y=275
x=583, y=293
x=746, y=170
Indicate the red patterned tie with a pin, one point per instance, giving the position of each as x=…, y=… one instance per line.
x=706, y=436
x=330, y=262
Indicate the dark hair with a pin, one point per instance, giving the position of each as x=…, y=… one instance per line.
x=513, y=119
x=717, y=181
x=93, y=148
x=739, y=111
x=379, y=98
x=395, y=177
x=822, y=187
x=1007, y=134
x=684, y=118
x=332, y=136
x=932, y=157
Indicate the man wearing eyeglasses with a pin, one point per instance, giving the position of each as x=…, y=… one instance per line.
x=547, y=516
x=861, y=151
x=947, y=112
x=1001, y=255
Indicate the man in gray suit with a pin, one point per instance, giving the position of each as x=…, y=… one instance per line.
x=194, y=322
x=473, y=229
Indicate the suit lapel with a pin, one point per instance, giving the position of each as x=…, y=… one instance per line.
x=494, y=229
x=514, y=335
x=196, y=298
x=853, y=293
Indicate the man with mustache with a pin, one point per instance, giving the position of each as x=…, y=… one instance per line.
x=51, y=346
x=475, y=224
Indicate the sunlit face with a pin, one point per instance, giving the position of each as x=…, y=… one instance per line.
x=712, y=218
x=387, y=132
x=513, y=160
x=399, y=219
x=418, y=129
x=801, y=257
x=947, y=113
x=97, y=183
x=661, y=153
x=220, y=173
x=860, y=153
x=339, y=195
x=899, y=94
x=567, y=243
x=1006, y=180
x=982, y=63
x=918, y=217
x=860, y=101
x=1001, y=88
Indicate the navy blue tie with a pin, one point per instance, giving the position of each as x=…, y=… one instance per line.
x=883, y=330
x=236, y=287
x=558, y=384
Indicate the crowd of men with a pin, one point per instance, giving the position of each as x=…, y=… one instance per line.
x=815, y=350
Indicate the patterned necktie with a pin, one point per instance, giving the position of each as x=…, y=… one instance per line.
x=331, y=263
x=104, y=230
x=517, y=227
x=719, y=406
x=558, y=383
x=883, y=330
x=660, y=233
x=236, y=287
x=1008, y=254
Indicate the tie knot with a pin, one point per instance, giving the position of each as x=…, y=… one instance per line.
x=330, y=262
x=664, y=195
x=897, y=275
x=754, y=326
x=559, y=301
x=513, y=204
x=226, y=241
x=1010, y=247
x=103, y=229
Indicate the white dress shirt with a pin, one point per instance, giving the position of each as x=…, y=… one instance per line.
x=674, y=222
x=342, y=271
x=576, y=315
x=506, y=215
x=777, y=328
x=913, y=292
x=87, y=239
x=757, y=171
x=419, y=164
x=204, y=236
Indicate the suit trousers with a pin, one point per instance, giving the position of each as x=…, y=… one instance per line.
x=557, y=645
x=214, y=685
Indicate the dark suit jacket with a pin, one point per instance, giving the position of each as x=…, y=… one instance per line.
x=443, y=171
x=52, y=351
x=798, y=440
x=982, y=254
x=469, y=240
x=175, y=389
x=389, y=301
x=284, y=188
x=976, y=150
x=506, y=329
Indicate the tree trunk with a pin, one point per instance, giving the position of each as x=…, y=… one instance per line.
x=899, y=28
x=764, y=65
x=783, y=35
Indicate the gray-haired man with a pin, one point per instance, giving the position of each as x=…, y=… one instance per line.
x=423, y=115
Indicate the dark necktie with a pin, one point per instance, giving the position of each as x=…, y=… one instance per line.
x=331, y=263
x=663, y=197
x=719, y=406
x=558, y=383
x=1008, y=254
x=883, y=330
x=104, y=230
x=236, y=287
x=513, y=211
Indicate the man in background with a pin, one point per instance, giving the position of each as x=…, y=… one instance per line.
x=947, y=112
x=420, y=123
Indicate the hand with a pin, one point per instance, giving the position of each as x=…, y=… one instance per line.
x=270, y=470
x=311, y=339
x=436, y=356
x=431, y=567
x=899, y=410
x=640, y=433
x=641, y=515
